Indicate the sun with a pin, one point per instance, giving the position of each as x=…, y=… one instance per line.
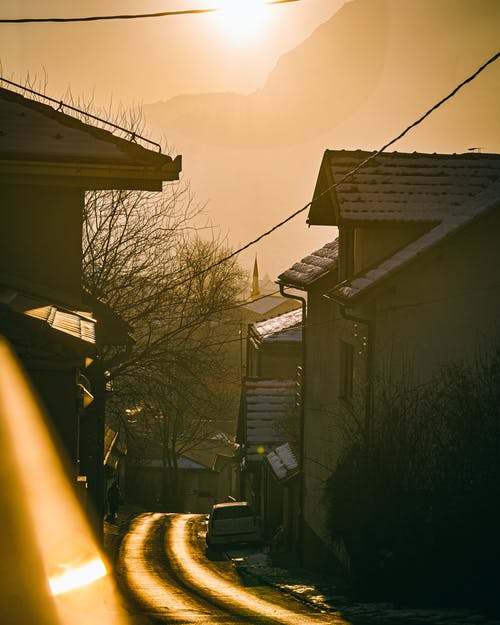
x=242, y=20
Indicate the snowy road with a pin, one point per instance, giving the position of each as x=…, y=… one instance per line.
x=165, y=568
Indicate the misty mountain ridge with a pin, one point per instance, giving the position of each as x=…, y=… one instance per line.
x=360, y=78
x=370, y=60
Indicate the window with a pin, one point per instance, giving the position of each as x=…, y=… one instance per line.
x=346, y=370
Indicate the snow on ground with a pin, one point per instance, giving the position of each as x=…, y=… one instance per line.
x=331, y=595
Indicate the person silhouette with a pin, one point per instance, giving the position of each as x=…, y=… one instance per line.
x=113, y=501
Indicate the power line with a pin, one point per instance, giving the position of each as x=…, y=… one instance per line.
x=308, y=324
x=132, y=16
x=334, y=185
x=346, y=176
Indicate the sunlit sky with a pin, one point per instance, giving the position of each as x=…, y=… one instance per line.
x=252, y=153
x=154, y=59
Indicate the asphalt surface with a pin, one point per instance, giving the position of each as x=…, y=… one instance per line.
x=166, y=575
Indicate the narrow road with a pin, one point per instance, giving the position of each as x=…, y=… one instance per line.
x=166, y=570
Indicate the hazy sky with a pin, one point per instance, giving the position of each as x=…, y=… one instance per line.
x=151, y=59
x=143, y=61
x=343, y=90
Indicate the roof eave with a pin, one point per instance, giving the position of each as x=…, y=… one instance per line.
x=90, y=175
x=344, y=301
x=291, y=285
x=324, y=209
x=306, y=286
x=351, y=301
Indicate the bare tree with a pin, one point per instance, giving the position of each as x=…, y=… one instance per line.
x=155, y=261
x=147, y=257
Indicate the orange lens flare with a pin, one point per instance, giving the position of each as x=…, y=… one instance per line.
x=57, y=534
x=77, y=577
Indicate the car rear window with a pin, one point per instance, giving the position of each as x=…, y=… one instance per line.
x=232, y=512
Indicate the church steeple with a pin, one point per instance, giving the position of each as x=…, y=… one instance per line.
x=255, y=292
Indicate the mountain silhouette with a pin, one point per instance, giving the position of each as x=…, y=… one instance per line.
x=360, y=78
x=386, y=52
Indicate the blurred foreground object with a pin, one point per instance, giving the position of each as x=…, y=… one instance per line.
x=51, y=570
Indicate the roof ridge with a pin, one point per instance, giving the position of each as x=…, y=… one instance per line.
x=428, y=240
x=36, y=104
x=101, y=134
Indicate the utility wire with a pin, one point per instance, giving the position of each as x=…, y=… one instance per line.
x=344, y=178
x=132, y=16
x=314, y=324
x=336, y=184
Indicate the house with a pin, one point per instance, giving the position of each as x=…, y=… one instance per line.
x=313, y=275
x=268, y=418
x=274, y=346
x=414, y=286
x=196, y=483
x=268, y=422
x=265, y=301
x=205, y=471
x=48, y=160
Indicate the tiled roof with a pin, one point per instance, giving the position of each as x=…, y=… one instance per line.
x=264, y=305
x=285, y=328
x=452, y=218
x=72, y=323
x=312, y=267
x=270, y=414
x=398, y=186
x=111, y=328
x=283, y=462
x=35, y=133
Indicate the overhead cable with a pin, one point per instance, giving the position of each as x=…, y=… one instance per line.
x=344, y=178
x=132, y=16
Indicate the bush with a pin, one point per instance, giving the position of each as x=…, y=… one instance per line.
x=416, y=499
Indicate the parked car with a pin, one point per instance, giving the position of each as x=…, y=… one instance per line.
x=233, y=523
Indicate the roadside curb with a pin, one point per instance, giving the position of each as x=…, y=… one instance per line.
x=309, y=594
x=323, y=597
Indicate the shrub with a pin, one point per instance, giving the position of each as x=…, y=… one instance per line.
x=416, y=499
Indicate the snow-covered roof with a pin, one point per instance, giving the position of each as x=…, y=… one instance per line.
x=445, y=191
x=312, y=267
x=471, y=209
x=270, y=415
x=35, y=137
x=285, y=328
x=283, y=461
x=399, y=187
x=264, y=305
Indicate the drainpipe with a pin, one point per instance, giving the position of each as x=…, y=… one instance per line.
x=300, y=537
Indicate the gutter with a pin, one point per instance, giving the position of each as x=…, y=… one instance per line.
x=300, y=538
